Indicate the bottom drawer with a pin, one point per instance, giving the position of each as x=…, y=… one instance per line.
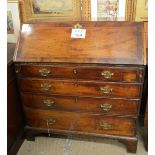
x=80, y=122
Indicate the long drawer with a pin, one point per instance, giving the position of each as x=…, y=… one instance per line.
x=102, y=106
x=80, y=122
x=82, y=88
x=103, y=73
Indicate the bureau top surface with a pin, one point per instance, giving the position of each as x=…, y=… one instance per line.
x=105, y=42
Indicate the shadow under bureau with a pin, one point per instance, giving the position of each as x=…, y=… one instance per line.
x=89, y=86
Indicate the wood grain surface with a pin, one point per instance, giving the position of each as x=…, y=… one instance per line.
x=105, y=42
x=82, y=104
x=80, y=122
x=82, y=72
x=80, y=88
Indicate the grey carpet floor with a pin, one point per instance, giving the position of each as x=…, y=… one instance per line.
x=69, y=146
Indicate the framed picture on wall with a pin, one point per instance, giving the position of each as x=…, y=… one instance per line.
x=109, y=9
x=142, y=10
x=13, y=21
x=33, y=10
x=146, y=4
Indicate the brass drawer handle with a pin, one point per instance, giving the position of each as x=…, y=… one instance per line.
x=44, y=72
x=106, y=107
x=106, y=90
x=105, y=126
x=107, y=74
x=51, y=121
x=45, y=86
x=48, y=103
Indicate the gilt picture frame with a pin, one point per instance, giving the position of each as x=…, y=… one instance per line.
x=13, y=21
x=127, y=10
x=142, y=10
x=146, y=4
x=45, y=10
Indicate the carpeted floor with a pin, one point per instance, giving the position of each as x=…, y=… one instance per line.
x=69, y=146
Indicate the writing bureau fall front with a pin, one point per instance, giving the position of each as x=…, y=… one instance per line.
x=88, y=86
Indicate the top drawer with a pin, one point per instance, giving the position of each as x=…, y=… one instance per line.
x=103, y=73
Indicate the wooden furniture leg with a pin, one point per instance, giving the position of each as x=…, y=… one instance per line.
x=30, y=135
x=131, y=145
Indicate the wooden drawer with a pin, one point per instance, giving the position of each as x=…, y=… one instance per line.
x=83, y=88
x=82, y=104
x=80, y=122
x=103, y=73
x=45, y=71
x=111, y=74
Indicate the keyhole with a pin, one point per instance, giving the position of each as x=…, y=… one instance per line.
x=75, y=71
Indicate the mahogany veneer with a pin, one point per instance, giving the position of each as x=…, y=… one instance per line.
x=88, y=86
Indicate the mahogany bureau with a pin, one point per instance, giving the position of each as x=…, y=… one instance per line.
x=89, y=86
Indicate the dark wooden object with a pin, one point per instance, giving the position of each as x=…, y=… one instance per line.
x=145, y=129
x=143, y=116
x=90, y=86
x=15, y=124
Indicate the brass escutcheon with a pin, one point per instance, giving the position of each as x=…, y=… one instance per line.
x=44, y=72
x=77, y=26
x=51, y=121
x=106, y=90
x=74, y=71
x=45, y=86
x=105, y=126
x=107, y=74
x=17, y=69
